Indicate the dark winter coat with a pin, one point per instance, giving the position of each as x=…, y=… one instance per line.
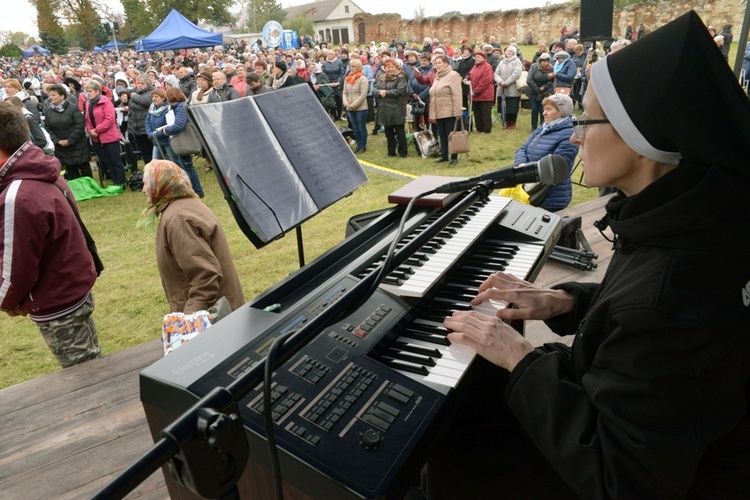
x=140, y=101
x=70, y=125
x=188, y=85
x=554, y=139
x=335, y=71
x=225, y=93
x=540, y=86
x=392, y=107
x=653, y=399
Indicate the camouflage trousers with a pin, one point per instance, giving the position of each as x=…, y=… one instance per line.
x=72, y=339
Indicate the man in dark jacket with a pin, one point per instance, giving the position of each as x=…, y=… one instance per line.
x=46, y=269
x=222, y=90
x=653, y=398
x=188, y=84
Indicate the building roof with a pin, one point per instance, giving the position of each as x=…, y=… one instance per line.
x=319, y=11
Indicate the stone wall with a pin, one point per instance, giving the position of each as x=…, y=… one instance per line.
x=538, y=24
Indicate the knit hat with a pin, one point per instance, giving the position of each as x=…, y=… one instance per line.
x=561, y=55
x=714, y=129
x=172, y=80
x=562, y=102
x=544, y=56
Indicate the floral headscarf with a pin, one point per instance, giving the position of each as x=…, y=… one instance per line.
x=163, y=181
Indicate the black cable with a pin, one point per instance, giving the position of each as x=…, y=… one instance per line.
x=267, y=415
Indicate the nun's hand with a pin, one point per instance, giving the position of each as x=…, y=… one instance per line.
x=491, y=338
x=531, y=302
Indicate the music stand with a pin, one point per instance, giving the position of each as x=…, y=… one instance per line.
x=278, y=158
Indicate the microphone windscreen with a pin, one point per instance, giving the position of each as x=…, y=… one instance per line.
x=552, y=169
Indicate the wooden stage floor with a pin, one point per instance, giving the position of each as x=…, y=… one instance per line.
x=67, y=434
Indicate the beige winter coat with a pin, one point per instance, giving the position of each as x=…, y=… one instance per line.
x=445, y=95
x=356, y=95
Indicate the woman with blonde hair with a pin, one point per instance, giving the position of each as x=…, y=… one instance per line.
x=192, y=252
x=356, y=88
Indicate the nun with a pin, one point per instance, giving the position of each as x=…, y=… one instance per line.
x=653, y=398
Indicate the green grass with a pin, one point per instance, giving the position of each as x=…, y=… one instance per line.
x=129, y=298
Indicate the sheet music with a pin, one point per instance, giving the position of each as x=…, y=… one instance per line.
x=266, y=188
x=312, y=142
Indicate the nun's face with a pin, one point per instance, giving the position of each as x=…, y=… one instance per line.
x=607, y=159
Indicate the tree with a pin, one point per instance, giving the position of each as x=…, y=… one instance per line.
x=18, y=38
x=145, y=16
x=419, y=13
x=51, y=34
x=259, y=12
x=301, y=23
x=10, y=50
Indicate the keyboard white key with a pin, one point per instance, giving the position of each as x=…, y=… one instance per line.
x=426, y=275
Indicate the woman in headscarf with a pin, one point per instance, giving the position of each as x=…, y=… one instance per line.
x=101, y=123
x=192, y=252
x=356, y=87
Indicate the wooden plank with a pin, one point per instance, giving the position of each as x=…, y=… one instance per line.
x=36, y=391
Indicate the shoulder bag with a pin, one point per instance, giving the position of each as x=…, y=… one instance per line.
x=90, y=243
x=458, y=140
x=187, y=142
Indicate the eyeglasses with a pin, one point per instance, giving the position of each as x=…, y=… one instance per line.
x=580, y=124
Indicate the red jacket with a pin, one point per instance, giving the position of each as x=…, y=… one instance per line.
x=48, y=271
x=482, y=82
x=106, y=121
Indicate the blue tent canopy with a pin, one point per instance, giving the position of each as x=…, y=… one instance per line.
x=35, y=48
x=111, y=45
x=177, y=32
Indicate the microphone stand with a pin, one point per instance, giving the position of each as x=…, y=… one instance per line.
x=206, y=447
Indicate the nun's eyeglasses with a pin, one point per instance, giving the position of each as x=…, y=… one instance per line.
x=580, y=124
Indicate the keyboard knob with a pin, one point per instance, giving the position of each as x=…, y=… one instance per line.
x=371, y=438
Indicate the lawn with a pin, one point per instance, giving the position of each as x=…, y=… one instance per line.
x=129, y=298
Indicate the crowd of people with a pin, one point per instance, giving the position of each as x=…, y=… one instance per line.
x=490, y=74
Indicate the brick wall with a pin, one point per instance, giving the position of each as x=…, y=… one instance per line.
x=541, y=24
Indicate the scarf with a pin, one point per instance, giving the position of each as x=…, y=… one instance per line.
x=92, y=103
x=153, y=110
x=163, y=181
x=353, y=77
x=445, y=71
x=278, y=82
x=58, y=107
x=559, y=65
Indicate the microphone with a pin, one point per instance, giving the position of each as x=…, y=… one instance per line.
x=549, y=170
